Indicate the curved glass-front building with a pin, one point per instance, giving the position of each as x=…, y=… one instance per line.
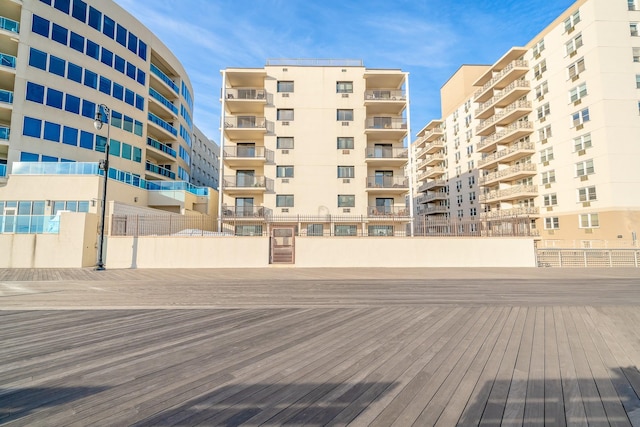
x=61, y=59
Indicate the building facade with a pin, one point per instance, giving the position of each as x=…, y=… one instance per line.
x=61, y=60
x=205, y=160
x=555, y=125
x=320, y=146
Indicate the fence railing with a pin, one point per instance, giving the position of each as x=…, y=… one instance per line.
x=29, y=224
x=163, y=225
x=512, y=227
x=580, y=258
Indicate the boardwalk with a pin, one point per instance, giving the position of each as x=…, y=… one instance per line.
x=320, y=347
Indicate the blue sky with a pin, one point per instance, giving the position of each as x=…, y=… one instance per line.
x=428, y=38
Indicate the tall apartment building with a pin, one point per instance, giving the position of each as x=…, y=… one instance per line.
x=61, y=60
x=317, y=145
x=205, y=160
x=557, y=125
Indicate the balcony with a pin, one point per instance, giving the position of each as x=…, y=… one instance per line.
x=393, y=128
x=160, y=152
x=433, y=172
x=246, y=99
x=510, y=174
x=159, y=170
x=434, y=147
x=508, y=115
x=387, y=156
x=245, y=184
x=166, y=80
x=434, y=210
x=388, y=184
x=434, y=159
x=435, y=196
x=512, y=71
x=245, y=212
x=5, y=133
x=510, y=213
x=162, y=125
x=9, y=25
x=389, y=101
x=8, y=61
x=508, y=134
x=511, y=153
x=434, y=134
x=432, y=185
x=513, y=193
x=247, y=126
x=388, y=211
x=501, y=99
x=247, y=156
x=157, y=96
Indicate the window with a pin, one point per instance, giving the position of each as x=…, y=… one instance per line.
x=589, y=220
x=538, y=48
x=345, y=230
x=131, y=70
x=62, y=5
x=539, y=68
x=344, y=87
x=345, y=115
x=57, y=65
x=542, y=89
x=88, y=109
x=51, y=132
x=633, y=29
x=108, y=27
x=93, y=50
x=137, y=128
x=285, y=114
x=127, y=124
x=106, y=57
x=585, y=168
x=284, y=142
x=121, y=35
x=548, y=177
x=129, y=97
x=632, y=4
x=550, y=199
x=142, y=50
x=346, y=201
x=285, y=86
x=546, y=154
x=587, y=194
x=578, y=92
x=137, y=155
x=582, y=142
x=346, y=171
x=76, y=42
x=54, y=98
x=314, y=230
x=74, y=72
x=380, y=230
x=101, y=143
x=114, y=148
x=580, y=117
x=552, y=223
x=86, y=140
x=70, y=136
x=79, y=10
x=141, y=77
x=636, y=54
x=284, y=200
x=38, y=59
x=90, y=79
x=35, y=92
x=118, y=91
x=573, y=45
x=126, y=151
x=105, y=85
x=472, y=196
x=31, y=127
x=473, y=212
x=545, y=132
x=119, y=63
x=59, y=34
x=571, y=21
x=544, y=111
x=29, y=157
x=132, y=43
x=576, y=68
x=284, y=171
x=345, y=143
x=40, y=26
x=472, y=180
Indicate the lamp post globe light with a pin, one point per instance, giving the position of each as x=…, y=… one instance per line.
x=102, y=116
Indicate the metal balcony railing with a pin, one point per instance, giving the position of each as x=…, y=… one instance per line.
x=386, y=123
x=163, y=124
x=160, y=146
x=519, y=146
x=160, y=170
x=500, y=74
x=387, y=182
x=9, y=25
x=7, y=60
x=245, y=211
x=245, y=181
x=166, y=79
x=508, y=192
x=384, y=95
x=387, y=153
x=249, y=153
x=246, y=122
x=525, y=167
x=162, y=100
x=388, y=211
x=248, y=93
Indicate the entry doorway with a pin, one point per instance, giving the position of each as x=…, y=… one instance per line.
x=282, y=245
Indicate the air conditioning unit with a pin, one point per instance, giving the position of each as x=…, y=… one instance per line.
x=578, y=102
x=285, y=210
x=536, y=56
x=549, y=208
x=285, y=123
x=586, y=204
x=580, y=127
x=576, y=77
x=544, y=141
x=539, y=76
x=346, y=181
x=346, y=210
x=545, y=163
x=285, y=180
x=572, y=54
x=345, y=95
x=541, y=98
x=285, y=95
x=571, y=30
x=543, y=119
x=285, y=151
x=582, y=152
x=547, y=186
x=345, y=123
x=584, y=178
x=551, y=231
x=588, y=231
x=346, y=151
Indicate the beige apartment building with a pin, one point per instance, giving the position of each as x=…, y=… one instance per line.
x=319, y=146
x=554, y=126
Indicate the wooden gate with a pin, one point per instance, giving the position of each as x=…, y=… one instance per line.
x=282, y=245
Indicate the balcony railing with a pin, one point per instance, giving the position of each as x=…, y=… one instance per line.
x=159, y=73
x=162, y=100
x=432, y=184
x=247, y=122
x=386, y=123
x=162, y=147
x=388, y=211
x=7, y=60
x=9, y=25
x=6, y=96
x=505, y=112
x=525, y=167
x=164, y=125
x=529, y=145
x=248, y=93
x=524, y=84
x=384, y=95
x=249, y=153
x=245, y=181
x=508, y=213
x=434, y=133
x=387, y=153
x=3, y=170
x=160, y=170
x=387, y=182
x=508, y=192
x=496, y=137
x=245, y=211
x=517, y=63
x=5, y=133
